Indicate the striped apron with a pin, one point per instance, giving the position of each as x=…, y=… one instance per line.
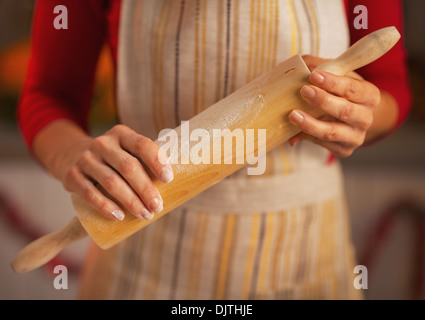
x=281, y=235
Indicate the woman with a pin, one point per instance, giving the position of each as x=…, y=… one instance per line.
x=284, y=234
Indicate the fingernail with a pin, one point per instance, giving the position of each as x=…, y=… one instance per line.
x=167, y=174
x=146, y=214
x=296, y=117
x=157, y=205
x=308, y=92
x=317, y=78
x=118, y=214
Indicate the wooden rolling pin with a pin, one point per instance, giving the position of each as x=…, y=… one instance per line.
x=263, y=103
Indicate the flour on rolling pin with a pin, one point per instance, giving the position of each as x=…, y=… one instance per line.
x=204, y=134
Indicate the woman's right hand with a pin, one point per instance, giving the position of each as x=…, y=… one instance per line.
x=114, y=161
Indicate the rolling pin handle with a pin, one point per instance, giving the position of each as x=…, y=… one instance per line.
x=363, y=52
x=42, y=250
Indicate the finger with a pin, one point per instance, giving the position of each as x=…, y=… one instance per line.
x=312, y=61
x=148, y=152
x=77, y=182
x=339, y=108
x=338, y=149
x=128, y=166
x=115, y=185
x=354, y=90
x=326, y=130
x=136, y=177
x=295, y=139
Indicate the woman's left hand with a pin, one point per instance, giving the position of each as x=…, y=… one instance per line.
x=348, y=102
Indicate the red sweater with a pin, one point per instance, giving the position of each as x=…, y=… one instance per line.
x=61, y=72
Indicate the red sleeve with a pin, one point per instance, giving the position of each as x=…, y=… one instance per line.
x=388, y=73
x=60, y=78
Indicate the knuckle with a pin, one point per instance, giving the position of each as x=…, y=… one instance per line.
x=71, y=175
x=110, y=182
x=332, y=84
x=88, y=194
x=350, y=90
x=330, y=134
x=346, y=111
x=85, y=158
x=324, y=101
x=127, y=165
x=101, y=143
x=118, y=129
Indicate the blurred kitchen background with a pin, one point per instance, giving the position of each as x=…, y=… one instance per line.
x=385, y=182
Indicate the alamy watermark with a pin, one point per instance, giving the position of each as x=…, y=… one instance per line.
x=360, y=281
x=215, y=146
x=61, y=280
x=61, y=18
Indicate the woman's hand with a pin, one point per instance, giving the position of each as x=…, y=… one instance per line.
x=113, y=161
x=349, y=103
